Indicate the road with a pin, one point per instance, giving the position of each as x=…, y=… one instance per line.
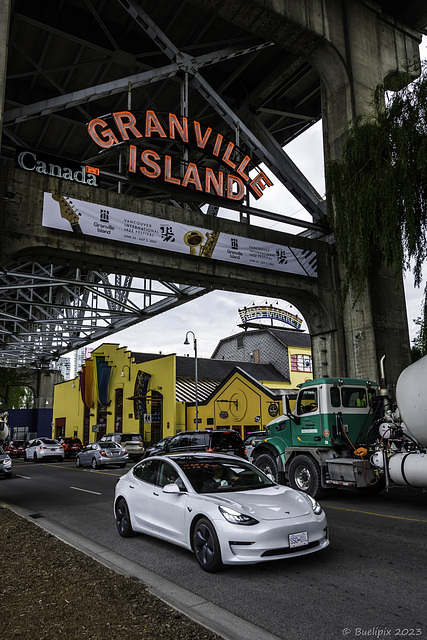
x=370, y=581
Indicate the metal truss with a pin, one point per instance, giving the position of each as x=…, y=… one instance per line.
x=46, y=311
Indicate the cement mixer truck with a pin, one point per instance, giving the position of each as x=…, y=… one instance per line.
x=348, y=432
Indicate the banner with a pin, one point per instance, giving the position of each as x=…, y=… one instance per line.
x=104, y=222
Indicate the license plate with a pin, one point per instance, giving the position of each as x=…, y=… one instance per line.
x=298, y=539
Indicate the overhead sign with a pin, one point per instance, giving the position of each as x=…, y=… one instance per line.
x=109, y=223
x=273, y=313
x=153, y=127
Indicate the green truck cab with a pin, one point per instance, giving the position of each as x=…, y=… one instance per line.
x=321, y=443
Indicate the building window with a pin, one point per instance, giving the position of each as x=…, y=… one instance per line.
x=240, y=342
x=301, y=362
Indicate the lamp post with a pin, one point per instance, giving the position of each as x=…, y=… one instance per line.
x=122, y=375
x=195, y=373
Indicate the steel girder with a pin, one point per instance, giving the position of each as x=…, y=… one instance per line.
x=46, y=311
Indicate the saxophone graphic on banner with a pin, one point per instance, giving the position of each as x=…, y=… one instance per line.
x=194, y=239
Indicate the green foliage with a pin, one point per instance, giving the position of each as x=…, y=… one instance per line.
x=377, y=190
x=13, y=390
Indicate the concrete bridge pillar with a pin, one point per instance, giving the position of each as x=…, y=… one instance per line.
x=354, y=45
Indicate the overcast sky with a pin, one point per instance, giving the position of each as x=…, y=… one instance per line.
x=215, y=315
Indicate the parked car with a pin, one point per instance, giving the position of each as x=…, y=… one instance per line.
x=44, y=449
x=252, y=440
x=71, y=446
x=133, y=442
x=5, y=464
x=158, y=447
x=221, y=507
x=212, y=441
x=102, y=454
x=16, y=448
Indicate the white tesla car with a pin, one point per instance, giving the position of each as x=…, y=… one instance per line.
x=219, y=506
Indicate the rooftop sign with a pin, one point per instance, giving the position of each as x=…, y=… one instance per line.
x=252, y=313
x=229, y=182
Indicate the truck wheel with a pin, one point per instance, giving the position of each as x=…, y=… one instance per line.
x=304, y=475
x=266, y=463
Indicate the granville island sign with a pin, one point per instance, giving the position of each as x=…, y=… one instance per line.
x=229, y=182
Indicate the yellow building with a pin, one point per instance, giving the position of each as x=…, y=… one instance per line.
x=154, y=394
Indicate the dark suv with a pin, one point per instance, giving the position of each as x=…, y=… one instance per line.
x=216, y=441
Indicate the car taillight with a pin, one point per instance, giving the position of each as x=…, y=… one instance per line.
x=125, y=451
x=209, y=449
x=43, y=447
x=102, y=452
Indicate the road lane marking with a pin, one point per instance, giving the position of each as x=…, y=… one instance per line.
x=87, y=491
x=18, y=475
x=371, y=513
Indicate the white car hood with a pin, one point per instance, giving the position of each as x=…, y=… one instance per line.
x=272, y=503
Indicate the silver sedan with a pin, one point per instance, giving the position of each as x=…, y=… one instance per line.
x=222, y=508
x=5, y=464
x=102, y=454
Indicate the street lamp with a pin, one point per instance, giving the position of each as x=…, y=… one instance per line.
x=195, y=373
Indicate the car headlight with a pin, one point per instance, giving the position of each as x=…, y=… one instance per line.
x=7, y=462
x=315, y=505
x=235, y=517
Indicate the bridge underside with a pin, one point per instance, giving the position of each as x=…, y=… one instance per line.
x=258, y=73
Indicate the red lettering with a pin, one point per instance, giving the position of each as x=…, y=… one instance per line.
x=168, y=171
x=231, y=181
x=217, y=146
x=259, y=183
x=242, y=166
x=146, y=157
x=120, y=120
x=132, y=158
x=201, y=141
x=192, y=177
x=152, y=125
x=226, y=156
x=211, y=182
x=104, y=139
x=182, y=129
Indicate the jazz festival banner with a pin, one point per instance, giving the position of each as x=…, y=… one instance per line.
x=100, y=221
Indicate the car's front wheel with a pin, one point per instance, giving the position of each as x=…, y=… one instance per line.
x=206, y=546
x=94, y=463
x=123, y=524
x=78, y=461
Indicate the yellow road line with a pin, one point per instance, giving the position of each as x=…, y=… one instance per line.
x=371, y=513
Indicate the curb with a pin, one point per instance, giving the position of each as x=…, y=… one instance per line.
x=219, y=621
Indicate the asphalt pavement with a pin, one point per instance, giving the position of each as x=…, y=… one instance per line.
x=212, y=617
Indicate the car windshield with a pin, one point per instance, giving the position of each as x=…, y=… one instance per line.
x=211, y=476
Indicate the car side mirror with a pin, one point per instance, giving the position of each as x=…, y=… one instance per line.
x=171, y=488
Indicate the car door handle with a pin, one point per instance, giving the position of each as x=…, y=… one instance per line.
x=155, y=494
x=131, y=486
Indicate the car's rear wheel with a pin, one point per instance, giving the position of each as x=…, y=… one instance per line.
x=206, y=546
x=94, y=463
x=123, y=465
x=35, y=458
x=123, y=524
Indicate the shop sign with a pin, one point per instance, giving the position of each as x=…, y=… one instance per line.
x=273, y=410
x=152, y=127
x=251, y=313
x=57, y=167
